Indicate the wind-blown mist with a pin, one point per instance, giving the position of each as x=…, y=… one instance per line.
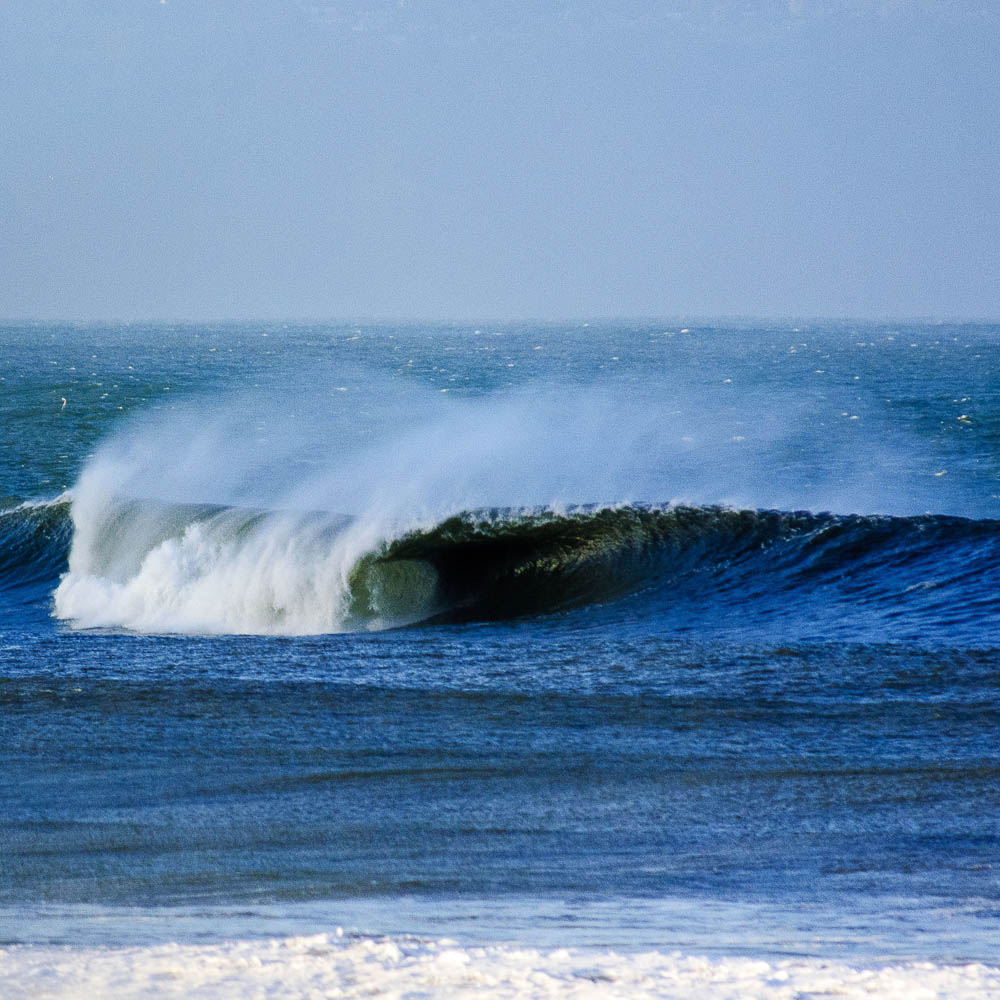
x=288, y=512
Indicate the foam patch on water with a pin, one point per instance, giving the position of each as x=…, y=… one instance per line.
x=331, y=965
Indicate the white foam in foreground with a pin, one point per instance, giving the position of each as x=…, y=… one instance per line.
x=329, y=965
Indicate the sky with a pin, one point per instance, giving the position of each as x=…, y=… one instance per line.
x=499, y=159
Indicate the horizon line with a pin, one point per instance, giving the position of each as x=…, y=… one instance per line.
x=583, y=320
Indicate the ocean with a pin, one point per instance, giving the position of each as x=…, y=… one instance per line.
x=609, y=659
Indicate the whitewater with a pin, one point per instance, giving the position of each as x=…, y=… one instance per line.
x=610, y=660
x=327, y=965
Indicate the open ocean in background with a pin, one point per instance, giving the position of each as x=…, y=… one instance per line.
x=612, y=659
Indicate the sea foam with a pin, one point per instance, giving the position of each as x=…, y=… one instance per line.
x=332, y=965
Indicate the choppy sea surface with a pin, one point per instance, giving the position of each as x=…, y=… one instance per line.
x=611, y=659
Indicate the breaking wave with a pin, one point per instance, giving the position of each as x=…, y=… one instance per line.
x=455, y=513
x=185, y=568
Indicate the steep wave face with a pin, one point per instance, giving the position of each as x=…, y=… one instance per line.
x=207, y=569
x=34, y=545
x=711, y=566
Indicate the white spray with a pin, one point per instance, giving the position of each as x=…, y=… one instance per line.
x=302, y=489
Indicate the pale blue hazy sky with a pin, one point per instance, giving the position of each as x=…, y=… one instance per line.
x=499, y=158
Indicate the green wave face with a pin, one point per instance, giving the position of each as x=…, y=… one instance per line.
x=392, y=591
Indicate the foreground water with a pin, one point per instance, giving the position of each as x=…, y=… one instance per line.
x=676, y=648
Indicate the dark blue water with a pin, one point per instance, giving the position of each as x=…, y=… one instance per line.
x=629, y=621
